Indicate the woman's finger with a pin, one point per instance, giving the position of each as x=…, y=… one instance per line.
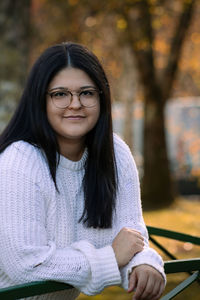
x=132, y=282
x=156, y=289
x=161, y=289
x=147, y=293
x=142, y=279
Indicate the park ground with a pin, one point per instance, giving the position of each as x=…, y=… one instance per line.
x=182, y=216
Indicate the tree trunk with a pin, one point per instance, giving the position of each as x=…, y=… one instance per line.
x=157, y=190
x=156, y=184
x=129, y=94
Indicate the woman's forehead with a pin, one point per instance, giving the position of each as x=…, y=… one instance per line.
x=71, y=78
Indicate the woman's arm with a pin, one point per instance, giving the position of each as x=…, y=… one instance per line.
x=129, y=215
x=26, y=253
x=147, y=283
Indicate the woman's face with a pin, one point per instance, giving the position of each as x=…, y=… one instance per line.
x=75, y=121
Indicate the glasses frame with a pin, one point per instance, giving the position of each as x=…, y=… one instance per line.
x=72, y=94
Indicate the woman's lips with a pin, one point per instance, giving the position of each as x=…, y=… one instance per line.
x=74, y=117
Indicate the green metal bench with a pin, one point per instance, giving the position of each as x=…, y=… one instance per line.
x=173, y=266
x=191, y=266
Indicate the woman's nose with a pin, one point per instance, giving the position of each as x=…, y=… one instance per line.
x=75, y=102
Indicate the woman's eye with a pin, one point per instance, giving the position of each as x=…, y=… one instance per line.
x=87, y=93
x=59, y=94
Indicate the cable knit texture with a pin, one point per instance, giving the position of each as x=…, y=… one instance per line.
x=40, y=236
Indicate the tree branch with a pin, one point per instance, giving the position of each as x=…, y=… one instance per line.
x=141, y=37
x=176, y=47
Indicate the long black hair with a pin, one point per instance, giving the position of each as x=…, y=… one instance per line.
x=30, y=123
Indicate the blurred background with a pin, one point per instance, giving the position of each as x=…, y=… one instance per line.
x=150, y=50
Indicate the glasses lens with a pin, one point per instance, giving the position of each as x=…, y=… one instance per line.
x=89, y=98
x=61, y=99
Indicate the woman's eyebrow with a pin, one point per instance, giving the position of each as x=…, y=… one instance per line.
x=59, y=88
x=66, y=88
x=87, y=86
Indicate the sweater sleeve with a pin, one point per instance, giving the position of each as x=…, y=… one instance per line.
x=27, y=254
x=130, y=215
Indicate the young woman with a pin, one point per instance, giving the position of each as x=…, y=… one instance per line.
x=70, y=207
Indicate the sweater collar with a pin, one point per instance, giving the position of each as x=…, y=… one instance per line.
x=74, y=165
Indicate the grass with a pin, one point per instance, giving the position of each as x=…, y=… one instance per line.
x=182, y=216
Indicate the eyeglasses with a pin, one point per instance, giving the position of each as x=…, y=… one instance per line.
x=62, y=98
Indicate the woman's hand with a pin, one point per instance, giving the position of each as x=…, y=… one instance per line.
x=147, y=282
x=126, y=244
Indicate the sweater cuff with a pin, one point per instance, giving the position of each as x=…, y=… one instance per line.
x=103, y=267
x=146, y=257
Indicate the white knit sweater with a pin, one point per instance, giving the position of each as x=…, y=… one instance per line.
x=40, y=236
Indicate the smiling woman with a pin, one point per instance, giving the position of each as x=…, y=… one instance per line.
x=70, y=207
x=66, y=112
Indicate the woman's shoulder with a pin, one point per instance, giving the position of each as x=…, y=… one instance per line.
x=121, y=148
x=123, y=156
x=20, y=148
x=21, y=156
